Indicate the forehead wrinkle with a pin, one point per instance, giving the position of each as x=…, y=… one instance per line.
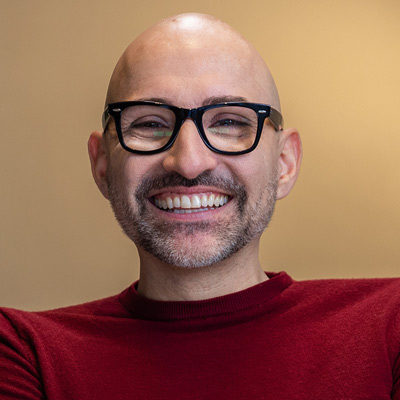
x=208, y=101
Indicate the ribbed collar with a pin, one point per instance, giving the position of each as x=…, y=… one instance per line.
x=232, y=304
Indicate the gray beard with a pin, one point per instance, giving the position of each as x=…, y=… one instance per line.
x=161, y=239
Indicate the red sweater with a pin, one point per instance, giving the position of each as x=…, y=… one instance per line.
x=281, y=339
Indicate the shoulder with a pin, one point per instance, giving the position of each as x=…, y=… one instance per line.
x=25, y=323
x=358, y=289
x=376, y=298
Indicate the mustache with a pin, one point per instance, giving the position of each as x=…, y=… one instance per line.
x=204, y=179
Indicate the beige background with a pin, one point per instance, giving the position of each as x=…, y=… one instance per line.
x=337, y=66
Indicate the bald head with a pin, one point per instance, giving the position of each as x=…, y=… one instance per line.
x=190, y=53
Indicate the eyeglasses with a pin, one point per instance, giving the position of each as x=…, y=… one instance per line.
x=146, y=127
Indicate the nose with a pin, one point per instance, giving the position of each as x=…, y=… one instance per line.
x=189, y=156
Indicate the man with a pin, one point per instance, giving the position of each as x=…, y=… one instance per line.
x=192, y=158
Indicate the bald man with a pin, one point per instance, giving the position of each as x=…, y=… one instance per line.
x=192, y=157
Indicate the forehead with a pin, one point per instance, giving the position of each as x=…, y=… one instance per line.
x=189, y=68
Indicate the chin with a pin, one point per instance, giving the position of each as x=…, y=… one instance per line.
x=190, y=251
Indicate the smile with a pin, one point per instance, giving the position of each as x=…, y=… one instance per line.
x=185, y=204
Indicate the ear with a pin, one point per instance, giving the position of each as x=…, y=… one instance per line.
x=289, y=160
x=98, y=160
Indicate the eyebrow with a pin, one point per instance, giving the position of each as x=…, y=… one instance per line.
x=223, y=99
x=208, y=101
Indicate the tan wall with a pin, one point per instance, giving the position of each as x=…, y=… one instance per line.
x=337, y=66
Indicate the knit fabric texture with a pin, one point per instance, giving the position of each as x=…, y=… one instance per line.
x=281, y=339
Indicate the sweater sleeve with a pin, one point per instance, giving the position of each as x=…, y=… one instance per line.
x=19, y=374
x=395, y=350
x=396, y=379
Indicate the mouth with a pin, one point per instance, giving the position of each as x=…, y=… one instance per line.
x=189, y=203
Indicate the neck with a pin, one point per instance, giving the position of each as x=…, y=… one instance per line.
x=161, y=281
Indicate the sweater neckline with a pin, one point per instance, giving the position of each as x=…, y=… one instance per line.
x=235, y=303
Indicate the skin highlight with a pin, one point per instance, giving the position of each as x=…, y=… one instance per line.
x=193, y=31
x=185, y=60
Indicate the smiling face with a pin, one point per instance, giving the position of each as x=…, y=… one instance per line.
x=189, y=206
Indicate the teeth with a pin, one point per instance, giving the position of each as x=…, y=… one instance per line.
x=170, y=203
x=177, y=202
x=186, y=204
x=189, y=211
x=195, y=202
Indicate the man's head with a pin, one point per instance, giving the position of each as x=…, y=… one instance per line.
x=185, y=45
x=190, y=61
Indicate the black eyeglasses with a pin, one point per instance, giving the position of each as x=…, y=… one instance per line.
x=146, y=127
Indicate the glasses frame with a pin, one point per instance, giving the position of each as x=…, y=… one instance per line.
x=263, y=112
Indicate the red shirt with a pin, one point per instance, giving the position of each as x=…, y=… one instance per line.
x=281, y=339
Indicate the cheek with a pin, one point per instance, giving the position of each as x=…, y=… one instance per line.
x=258, y=171
x=269, y=155
x=256, y=167
x=119, y=170
x=128, y=170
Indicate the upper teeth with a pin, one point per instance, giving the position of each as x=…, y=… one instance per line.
x=195, y=201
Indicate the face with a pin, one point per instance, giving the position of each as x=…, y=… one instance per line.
x=188, y=206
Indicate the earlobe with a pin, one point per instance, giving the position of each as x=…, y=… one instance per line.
x=98, y=160
x=289, y=161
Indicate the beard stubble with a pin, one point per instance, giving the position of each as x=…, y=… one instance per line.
x=177, y=243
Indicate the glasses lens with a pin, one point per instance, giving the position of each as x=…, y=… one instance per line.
x=230, y=128
x=147, y=127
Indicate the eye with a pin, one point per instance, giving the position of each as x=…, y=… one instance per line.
x=149, y=122
x=149, y=127
x=229, y=122
x=232, y=125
